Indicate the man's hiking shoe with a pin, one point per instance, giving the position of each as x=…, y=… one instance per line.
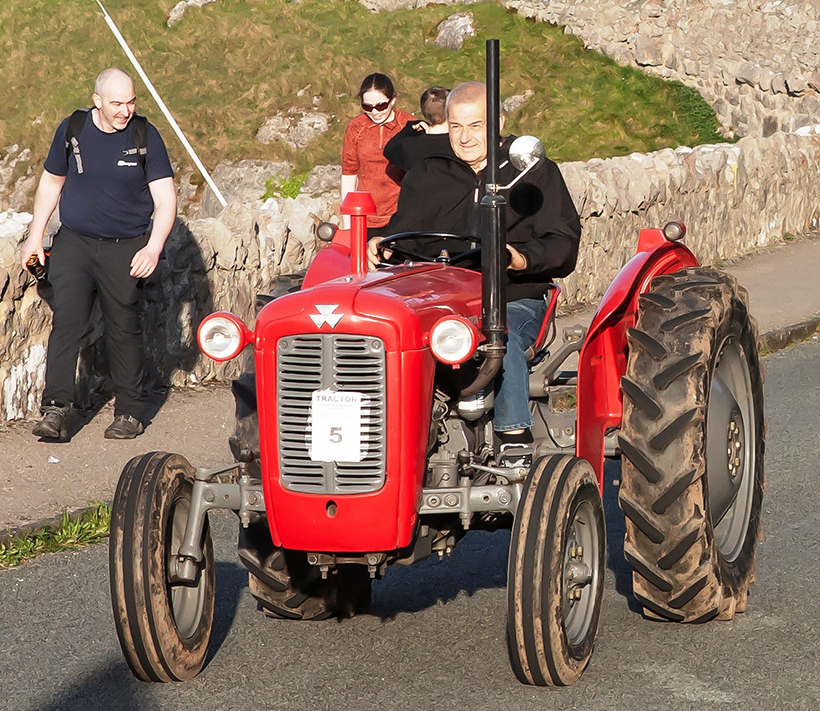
x=124, y=427
x=54, y=424
x=516, y=455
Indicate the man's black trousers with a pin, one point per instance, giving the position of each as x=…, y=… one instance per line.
x=81, y=269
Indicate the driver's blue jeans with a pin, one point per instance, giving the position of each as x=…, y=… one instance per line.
x=512, y=397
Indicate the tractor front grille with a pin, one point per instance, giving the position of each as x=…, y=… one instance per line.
x=340, y=363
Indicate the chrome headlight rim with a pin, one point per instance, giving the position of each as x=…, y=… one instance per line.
x=222, y=336
x=458, y=328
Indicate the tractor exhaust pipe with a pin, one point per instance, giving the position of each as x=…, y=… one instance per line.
x=493, y=234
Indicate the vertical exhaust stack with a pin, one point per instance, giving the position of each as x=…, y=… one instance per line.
x=358, y=205
x=493, y=234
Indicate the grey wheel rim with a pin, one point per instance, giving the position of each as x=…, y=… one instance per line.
x=730, y=449
x=187, y=601
x=582, y=573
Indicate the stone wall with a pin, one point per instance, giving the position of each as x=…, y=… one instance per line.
x=209, y=264
x=754, y=61
x=733, y=198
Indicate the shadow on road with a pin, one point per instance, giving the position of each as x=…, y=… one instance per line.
x=113, y=686
x=615, y=529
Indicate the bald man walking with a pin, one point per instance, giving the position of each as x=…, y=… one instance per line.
x=106, y=245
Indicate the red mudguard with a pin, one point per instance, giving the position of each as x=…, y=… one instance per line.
x=602, y=360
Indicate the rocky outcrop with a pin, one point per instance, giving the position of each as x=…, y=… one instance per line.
x=179, y=9
x=296, y=128
x=454, y=30
x=387, y=5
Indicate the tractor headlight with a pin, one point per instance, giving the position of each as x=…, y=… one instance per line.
x=453, y=340
x=222, y=336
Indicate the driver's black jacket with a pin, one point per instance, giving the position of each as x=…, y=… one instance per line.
x=442, y=194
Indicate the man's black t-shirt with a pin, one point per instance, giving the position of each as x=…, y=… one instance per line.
x=110, y=198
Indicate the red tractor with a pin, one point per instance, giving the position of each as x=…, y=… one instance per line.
x=364, y=439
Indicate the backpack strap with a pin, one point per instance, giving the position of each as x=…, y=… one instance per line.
x=75, y=126
x=139, y=138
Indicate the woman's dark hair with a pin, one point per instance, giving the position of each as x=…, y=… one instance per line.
x=377, y=82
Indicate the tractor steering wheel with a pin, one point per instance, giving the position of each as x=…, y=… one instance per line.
x=395, y=244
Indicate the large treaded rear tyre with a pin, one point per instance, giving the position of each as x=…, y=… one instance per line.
x=692, y=437
x=286, y=585
x=163, y=624
x=555, y=580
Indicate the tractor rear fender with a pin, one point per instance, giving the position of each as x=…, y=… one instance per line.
x=602, y=360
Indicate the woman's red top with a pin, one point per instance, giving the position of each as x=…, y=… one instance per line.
x=362, y=155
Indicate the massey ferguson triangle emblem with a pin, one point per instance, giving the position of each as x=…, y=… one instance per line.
x=326, y=315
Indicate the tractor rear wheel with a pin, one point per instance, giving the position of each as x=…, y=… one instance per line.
x=286, y=585
x=163, y=623
x=555, y=581
x=693, y=443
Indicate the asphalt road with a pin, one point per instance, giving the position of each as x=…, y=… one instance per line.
x=435, y=638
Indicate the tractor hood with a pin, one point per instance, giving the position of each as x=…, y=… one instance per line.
x=408, y=300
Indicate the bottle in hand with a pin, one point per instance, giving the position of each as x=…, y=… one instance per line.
x=37, y=269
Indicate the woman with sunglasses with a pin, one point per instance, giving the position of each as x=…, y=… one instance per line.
x=364, y=166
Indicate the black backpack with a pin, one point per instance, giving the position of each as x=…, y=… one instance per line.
x=139, y=137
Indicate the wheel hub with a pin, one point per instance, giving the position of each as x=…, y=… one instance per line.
x=736, y=443
x=730, y=448
x=580, y=574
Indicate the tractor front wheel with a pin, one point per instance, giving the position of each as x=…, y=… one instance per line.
x=693, y=440
x=163, y=623
x=555, y=581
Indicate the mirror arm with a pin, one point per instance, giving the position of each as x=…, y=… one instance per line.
x=496, y=188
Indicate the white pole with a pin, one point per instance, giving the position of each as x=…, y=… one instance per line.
x=162, y=106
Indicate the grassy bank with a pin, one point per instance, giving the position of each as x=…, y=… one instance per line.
x=71, y=533
x=227, y=67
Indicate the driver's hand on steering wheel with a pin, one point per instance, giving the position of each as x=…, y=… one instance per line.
x=373, y=257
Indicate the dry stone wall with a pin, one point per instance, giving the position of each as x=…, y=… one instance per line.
x=734, y=198
x=754, y=61
x=209, y=264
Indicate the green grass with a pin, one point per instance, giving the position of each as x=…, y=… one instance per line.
x=288, y=188
x=72, y=533
x=227, y=67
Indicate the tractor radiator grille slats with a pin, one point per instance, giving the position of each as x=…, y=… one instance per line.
x=336, y=362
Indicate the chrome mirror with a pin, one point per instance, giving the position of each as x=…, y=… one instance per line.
x=525, y=152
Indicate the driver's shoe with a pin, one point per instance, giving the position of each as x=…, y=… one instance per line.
x=54, y=424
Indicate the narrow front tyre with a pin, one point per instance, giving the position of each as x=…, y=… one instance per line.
x=555, y=580
x=163, y=622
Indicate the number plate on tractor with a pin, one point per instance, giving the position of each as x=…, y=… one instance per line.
x=336, y=418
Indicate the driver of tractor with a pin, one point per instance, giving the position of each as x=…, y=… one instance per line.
x=443, y=194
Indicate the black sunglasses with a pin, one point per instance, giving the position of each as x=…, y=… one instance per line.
x=375, y=107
